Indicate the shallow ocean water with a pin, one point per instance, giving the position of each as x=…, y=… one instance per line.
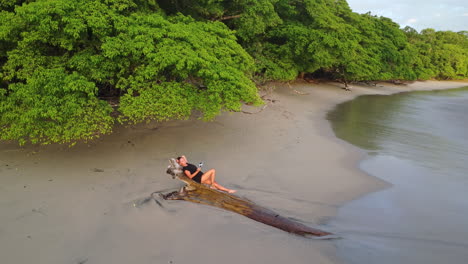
x=418, y=142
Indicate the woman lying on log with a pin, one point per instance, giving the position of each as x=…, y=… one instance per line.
x=199, y=193
x=197, y=175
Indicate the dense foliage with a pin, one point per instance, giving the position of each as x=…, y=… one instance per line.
x=63, y=61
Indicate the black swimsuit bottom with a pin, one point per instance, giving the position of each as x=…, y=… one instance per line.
x=197, y=177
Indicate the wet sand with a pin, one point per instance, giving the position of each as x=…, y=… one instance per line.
x=75, y=205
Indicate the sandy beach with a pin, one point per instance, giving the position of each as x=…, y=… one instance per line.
x=75, y=205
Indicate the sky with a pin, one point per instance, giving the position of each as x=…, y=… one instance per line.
x=418, y=14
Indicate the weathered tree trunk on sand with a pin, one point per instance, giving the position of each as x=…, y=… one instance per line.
x=199, y=193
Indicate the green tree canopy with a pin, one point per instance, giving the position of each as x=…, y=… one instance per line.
x=70, y=69
x=60, y=55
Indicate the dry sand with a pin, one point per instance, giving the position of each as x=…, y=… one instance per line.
x=75, y=205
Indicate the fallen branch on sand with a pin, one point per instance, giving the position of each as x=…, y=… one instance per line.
x=268, y=102
x=199, y=193
x=296, y=91
x=251, y=113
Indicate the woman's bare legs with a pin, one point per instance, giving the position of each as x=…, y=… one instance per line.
x=209, y=178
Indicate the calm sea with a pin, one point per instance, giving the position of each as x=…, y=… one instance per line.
x=418, y=142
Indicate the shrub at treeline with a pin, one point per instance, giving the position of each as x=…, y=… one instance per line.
x=62, y=60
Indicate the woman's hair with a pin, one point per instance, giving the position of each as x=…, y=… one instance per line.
x=178, y=158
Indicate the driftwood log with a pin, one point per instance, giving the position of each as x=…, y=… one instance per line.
x=199, y=193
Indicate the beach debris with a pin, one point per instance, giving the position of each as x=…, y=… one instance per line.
x=252, y=113
x=153, y=196
x=142, y=201
x=98, y=170
x=267, y=101
x=346, y=89
x=39, y=211
x=296, y=91
x=199, y=193
x=82, y=261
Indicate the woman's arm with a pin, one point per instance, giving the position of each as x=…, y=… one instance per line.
x=187, y=172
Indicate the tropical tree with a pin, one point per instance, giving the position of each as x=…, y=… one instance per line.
x=61, y=58
x=70, y=69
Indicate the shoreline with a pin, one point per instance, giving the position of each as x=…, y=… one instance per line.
x=70, y=204
x=380, y=89
x=415, y=142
